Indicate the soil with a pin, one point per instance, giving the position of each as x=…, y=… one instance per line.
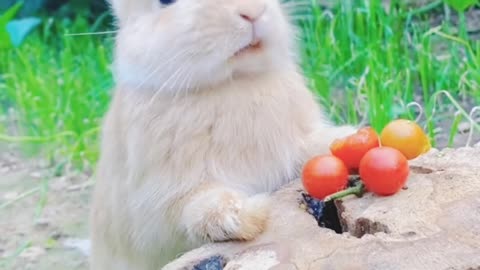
x=46, y=227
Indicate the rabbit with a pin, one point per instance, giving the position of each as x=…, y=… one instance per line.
x=210, y=113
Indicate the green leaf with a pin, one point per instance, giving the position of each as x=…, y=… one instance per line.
x=19, y=29
x=10, y=13
x=51, y=243
x=5, y=18
x=461, y=5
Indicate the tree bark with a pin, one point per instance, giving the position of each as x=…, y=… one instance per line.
x=433, y=224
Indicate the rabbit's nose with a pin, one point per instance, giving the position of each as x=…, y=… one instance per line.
x=252, y=14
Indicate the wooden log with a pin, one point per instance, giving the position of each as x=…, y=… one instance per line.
x=433, y=224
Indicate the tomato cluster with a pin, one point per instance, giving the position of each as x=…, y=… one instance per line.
x=380, y=160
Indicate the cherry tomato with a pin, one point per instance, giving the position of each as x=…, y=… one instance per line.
x=351, y=149
x=384, y=170
x=405, y=136
x=324, y=175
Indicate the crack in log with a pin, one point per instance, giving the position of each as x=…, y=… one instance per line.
x=366, y=226
x=420, y=170
x=361, y=226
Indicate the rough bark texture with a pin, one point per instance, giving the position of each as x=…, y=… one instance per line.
x=433, y=224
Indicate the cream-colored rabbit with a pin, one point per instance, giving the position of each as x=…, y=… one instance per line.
x=210, y=113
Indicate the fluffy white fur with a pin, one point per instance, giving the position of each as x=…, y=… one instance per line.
x=195, y=137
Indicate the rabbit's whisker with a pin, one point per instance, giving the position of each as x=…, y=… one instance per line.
x=159, y=67
x=91, y=33
x=174, y=76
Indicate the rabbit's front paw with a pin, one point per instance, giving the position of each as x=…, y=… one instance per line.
x=253, y=218
x=221, y=215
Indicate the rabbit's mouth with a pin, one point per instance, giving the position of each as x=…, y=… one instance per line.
x=250, y=48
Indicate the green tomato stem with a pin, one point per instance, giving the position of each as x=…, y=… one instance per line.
x=357, y=190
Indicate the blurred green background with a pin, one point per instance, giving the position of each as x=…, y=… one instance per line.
x=369, y=61
x=90, y=8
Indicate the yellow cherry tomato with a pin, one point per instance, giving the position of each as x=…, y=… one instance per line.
x=407, y=137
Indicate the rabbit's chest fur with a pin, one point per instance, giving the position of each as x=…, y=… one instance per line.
x=246, y=135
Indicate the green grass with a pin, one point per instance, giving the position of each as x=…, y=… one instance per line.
x=57, y=88
x=367, y=67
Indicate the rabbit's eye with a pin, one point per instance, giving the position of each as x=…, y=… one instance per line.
x=167, y=2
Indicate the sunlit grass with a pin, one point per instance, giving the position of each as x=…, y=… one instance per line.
x=367, y=66
x=55, y=89
x=368, y=63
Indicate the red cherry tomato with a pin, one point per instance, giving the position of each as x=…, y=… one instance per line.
x=324, y=175
x=384, y=170
x=351, y=149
